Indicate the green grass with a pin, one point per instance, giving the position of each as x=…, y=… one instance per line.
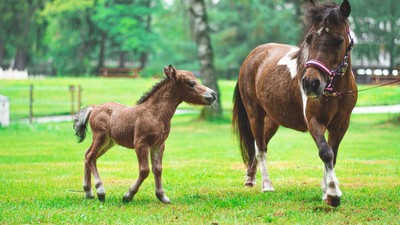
x=203, y=176
x=52, y=96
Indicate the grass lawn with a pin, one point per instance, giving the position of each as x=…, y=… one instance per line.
x=42, y=166
x=51, y=96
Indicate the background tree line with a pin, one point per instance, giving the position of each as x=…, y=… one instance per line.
x=76, y=37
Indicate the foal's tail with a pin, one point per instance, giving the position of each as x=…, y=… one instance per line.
x=80, y=123
x=241, y=127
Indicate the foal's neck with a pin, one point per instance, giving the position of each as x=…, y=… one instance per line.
x=163, y=101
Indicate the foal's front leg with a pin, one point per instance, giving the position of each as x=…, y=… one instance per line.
x=156, y=161
x=142, y=152
x=330, y=183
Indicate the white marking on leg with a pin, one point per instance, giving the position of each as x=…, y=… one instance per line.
x=262, y=161
x=330, y=185
x=290, y=62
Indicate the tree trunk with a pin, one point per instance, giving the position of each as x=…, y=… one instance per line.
x=102, y=52
x=122, y=59
x=1, y=52
x=21, y=57
x=144, y=56
x=201, y=33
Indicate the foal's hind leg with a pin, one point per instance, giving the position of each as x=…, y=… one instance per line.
x=156, y=161
x=100, y=145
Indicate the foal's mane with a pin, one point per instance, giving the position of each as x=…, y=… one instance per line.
x=155, y=87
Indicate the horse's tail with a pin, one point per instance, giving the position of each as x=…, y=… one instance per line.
x=241, y=127
x=80, y=123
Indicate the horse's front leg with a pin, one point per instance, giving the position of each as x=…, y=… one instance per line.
x=330, y=184
x=156, y=161
x=142, y=152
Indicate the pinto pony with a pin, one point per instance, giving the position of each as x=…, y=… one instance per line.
x=307, y=88
x=143, y=127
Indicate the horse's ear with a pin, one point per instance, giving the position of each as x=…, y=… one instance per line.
x=170, y=72
x=311, y=2
x=345, y=8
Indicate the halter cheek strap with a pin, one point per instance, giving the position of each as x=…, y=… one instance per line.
x=338, y=71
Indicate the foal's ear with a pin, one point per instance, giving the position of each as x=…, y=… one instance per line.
x=170, y=72
x=345, y=8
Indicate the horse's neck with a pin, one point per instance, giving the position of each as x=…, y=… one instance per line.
x=164, y=101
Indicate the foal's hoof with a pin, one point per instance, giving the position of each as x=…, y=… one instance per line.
x=333, y=201
x=164, y=199
x=101, y=197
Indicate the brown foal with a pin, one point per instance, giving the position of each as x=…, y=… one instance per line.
x=143, y=127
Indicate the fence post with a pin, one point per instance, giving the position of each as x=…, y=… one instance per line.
x=79, y=97
x=72, y=90
x=31, y=103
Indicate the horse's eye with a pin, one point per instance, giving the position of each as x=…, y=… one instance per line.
x=309, y=39
x=338, y=41
x=191, y=84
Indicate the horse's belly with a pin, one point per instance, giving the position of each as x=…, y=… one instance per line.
x=288, y=118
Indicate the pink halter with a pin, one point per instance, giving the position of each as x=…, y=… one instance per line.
x=338, y=71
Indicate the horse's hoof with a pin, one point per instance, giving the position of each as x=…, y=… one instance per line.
x=126, y=199
x=333, y=201
x=101, y=197
x=268, y=189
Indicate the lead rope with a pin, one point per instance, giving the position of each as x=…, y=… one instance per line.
x=335, y=94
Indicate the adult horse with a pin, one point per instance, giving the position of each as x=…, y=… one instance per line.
x=143, y=127
x=300, y=88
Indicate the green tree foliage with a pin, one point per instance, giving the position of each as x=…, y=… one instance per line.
x=242, y=25
x=377, y=28
x=78, y=36
x=71, y=35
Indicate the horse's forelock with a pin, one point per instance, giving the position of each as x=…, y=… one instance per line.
x=326, y=13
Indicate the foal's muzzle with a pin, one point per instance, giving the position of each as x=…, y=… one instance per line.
x=210, y=96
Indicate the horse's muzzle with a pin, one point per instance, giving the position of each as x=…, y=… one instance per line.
x=312, y=87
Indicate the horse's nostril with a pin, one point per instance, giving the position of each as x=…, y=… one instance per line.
x=311, y=85
x=315, y=85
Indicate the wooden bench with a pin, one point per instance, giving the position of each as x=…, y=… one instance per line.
x=120, y=72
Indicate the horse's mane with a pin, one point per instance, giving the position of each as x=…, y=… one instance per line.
x=155, y=87
x=328, y=13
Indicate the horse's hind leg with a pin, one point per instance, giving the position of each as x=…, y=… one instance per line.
x=262, y=127
x=270, y=128
x=100, y=145
x=142, y=153
x=156, y=161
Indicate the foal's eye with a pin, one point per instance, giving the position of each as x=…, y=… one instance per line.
x=191, y=84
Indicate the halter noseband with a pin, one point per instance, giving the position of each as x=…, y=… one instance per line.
x=338, y=71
